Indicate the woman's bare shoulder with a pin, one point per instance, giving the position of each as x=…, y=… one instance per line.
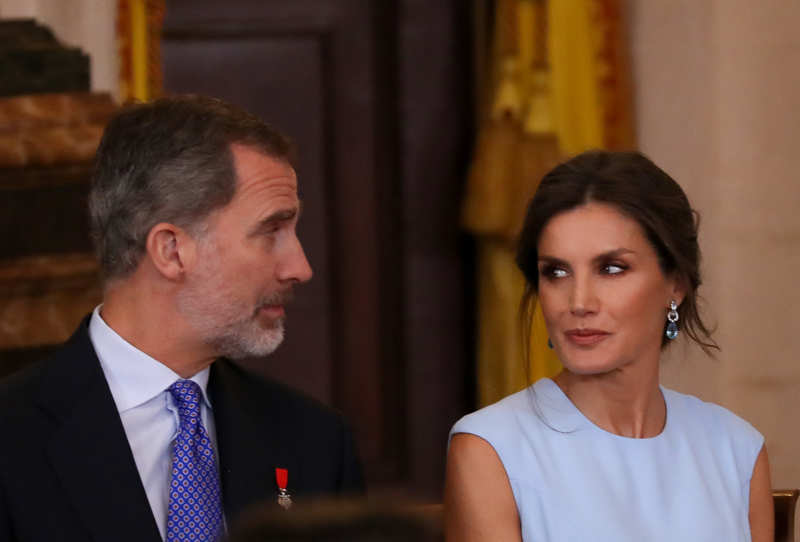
x=479, y=502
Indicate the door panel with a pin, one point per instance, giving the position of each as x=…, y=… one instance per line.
x=381, y=120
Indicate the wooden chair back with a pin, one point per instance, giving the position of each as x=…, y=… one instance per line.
x=785, y=503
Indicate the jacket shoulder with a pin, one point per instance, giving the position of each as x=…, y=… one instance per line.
x=261, y=394
x=311, y=434
x=18, y=388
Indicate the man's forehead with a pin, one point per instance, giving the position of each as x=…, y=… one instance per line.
x=244, y=151
x=254, y=165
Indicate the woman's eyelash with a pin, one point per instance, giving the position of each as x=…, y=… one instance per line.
x=558, y=271
x=614, y=268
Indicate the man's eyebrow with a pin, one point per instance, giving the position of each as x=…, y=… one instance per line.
x=281, y=215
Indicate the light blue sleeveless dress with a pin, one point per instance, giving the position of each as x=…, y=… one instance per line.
x=574, y=481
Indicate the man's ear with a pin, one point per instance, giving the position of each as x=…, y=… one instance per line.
x=170, y=249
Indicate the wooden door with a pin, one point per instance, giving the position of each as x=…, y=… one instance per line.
x=375, y=95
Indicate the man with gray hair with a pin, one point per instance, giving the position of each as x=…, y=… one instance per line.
x=140, y=428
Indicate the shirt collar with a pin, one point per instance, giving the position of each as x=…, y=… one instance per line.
x=133, y=377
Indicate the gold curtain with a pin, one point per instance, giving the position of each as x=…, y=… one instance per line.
x=557, y=84
x=139, y=25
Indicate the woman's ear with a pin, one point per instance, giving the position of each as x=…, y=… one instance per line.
x=170, y=249
x=679, y=289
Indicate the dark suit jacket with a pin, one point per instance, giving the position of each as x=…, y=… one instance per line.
x=67, y=471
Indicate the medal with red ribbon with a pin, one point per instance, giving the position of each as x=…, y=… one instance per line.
x=282, y=479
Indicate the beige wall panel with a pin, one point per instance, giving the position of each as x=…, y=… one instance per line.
x=718, y=106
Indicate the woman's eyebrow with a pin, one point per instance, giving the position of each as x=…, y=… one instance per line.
x=609, y=254
x=543, y=258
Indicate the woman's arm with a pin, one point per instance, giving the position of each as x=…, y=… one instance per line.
x=762, y=516
x=478, y=503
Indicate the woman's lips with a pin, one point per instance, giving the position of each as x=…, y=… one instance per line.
x=586, y=337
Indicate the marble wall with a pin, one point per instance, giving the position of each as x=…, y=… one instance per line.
x=718, y=106
x=88, y=24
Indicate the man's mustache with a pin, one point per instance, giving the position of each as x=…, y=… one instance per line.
x=283, y=297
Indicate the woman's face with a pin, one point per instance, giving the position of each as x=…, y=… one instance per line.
x=603, y=294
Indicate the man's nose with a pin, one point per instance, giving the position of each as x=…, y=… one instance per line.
x=295, y=266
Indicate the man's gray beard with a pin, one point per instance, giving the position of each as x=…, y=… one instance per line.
x=219, y=324
x=222, y=327
x=233, y=342
x=225, y=323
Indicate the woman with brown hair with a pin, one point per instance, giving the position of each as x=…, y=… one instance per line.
x=603, y=452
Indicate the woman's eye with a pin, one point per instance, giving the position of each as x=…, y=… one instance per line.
x=613, y=269
x=553, y=272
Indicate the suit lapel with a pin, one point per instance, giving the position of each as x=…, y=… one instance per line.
x=89, y=450
x=249, y=441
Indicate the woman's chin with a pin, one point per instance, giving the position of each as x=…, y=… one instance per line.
x=589, y=367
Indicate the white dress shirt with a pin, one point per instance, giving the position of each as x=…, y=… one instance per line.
x=149, y=414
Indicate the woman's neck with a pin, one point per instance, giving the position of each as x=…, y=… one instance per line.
x=627, y=401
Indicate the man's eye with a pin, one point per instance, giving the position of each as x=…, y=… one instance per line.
x=272, y=228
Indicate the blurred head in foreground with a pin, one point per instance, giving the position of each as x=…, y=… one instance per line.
x=340, y=521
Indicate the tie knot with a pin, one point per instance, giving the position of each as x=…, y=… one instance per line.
x=186, y=394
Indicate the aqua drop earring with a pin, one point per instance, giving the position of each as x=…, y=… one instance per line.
x=672, y=318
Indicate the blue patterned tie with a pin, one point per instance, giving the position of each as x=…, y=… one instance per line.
x=195, y=504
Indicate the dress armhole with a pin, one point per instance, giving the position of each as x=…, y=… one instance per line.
x=497, y=452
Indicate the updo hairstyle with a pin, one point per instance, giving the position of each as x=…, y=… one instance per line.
x=636, y=187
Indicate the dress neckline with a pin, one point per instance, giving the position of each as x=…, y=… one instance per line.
x=561, y=414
